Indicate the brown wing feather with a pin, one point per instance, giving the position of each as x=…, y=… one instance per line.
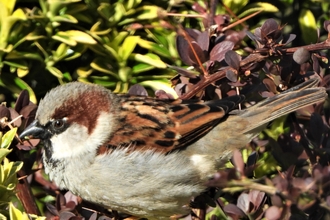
x=166, y=125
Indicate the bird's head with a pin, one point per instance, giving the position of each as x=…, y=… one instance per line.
x=73, y=119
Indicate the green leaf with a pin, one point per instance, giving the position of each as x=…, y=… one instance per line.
x=66, y=52
x=76, y=52
x=105, y=10
x=146, y=12
x=105, y=81
x=71, y=37
x=141, y=67
x=84, y=17
x=17, y=64
x=99, y=49
x=308, y=27
x=2, y=216
x=22, y=72
x=65, y=18
x=23, y=55
x=216, y=212
x=103, y=66
x=259, y=6
x=118, y=13
x=8, y=138
x=16, y=214
x=124, y=73
x=128, y=47
x=154, y=47
x=61, y=50
x=11, y=168
x=98, y=29
x=84, y=71
x=56, y=72
x=81, y=37
x=7, y=24
x=235, y=5
x=3, y=154
x=119, y=38
x=34, y=35
x=131, y=4
x=56, y=6
x=16, y=85
x=149, y=58
x=19, y=14
x=76, y=8
x=8, y=5
x=277, y=128
x=63, y=37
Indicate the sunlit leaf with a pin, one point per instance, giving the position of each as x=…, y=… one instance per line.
x=71, y=37
x=148, y=12
x=159, y=85
x=307, y=25
x=62, y=37
x=16, y=214
x=4, y=153
x=17, y=63
x=149, y=58
x=258, y=6
x=56, y=72
x=118, y=39
x=129, y=4
x=23, y=55
x=65, y=18
x=154, y=47
x=84, y=71
x=124, y=73
x=9, y=5
x=128, y=47
x=19, y=13
x=235, y=5
x=119, y=11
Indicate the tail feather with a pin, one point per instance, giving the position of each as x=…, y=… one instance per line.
x=289, y=101
x=243, y=125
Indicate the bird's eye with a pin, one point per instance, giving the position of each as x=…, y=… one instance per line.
x=58, y=123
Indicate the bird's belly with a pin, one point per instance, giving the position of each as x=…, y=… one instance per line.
x=150, y=185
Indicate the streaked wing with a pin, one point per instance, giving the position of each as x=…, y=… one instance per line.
x=167, y=125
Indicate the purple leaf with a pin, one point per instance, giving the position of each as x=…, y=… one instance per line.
x=243, y=202
x=203, y=40
x=182, y=46
x=198, y=55
x=233, y=209
x=137, y=89
x=301, y=55
x=273, y=213
x=218, y=52
x=233, y=59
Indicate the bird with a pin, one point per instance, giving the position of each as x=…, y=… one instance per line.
x=144, y=156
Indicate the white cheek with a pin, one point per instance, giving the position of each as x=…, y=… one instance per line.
x=75, y=140
x=67, y=143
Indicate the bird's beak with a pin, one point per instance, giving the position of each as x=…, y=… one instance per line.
x=34, y=131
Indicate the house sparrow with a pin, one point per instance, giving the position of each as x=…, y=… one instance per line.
x=144, y=156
